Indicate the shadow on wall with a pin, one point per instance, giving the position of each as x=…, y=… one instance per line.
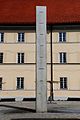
x=14, y=99
x=73, y=99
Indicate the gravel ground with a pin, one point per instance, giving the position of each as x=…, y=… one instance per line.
x=57, y=110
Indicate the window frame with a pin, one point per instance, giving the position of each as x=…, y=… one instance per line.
x=0, y=83
x=20, y=83
x=62, y=36
x=20, y=57
x=63, y=83
x=1, y=57
x=1, y=37
x=21, y=37
x=62, y=57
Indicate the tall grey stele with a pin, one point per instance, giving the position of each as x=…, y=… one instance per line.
x=41, y=75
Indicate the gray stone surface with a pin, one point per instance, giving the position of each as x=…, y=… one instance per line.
x=57, y=109
x=41, y=76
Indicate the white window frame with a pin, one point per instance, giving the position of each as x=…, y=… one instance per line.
x=62, y=38
x=20, y=80
x=1, y=40
x=61, y=57
x=63, y=83
x=21, y=34
x=20, y=57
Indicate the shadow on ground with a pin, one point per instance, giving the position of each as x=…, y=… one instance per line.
x=18, y=109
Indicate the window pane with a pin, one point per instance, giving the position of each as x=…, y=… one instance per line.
x=20, y=82
x=18, y=57
x=60, y=57
x=64, y=57
x=22, y=58
x=0, y=83
x=20, y=37
x=60, y=36
x=64, y=36
x=1, y=37
x=1, y=57
x=63, y=82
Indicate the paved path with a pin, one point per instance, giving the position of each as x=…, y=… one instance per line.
x=56, y=110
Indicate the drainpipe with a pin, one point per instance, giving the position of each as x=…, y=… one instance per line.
x=51, y=85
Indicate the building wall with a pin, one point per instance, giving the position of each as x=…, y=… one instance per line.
x=71, y=69
x=10, y=69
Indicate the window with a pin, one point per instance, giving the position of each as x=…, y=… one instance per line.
x=21, y=37
x=1, y=37
x=63, y=82
x=0, y=83
x=1, y=57
x=63, y=57
x=20, y=82
x=20, y=58
x=62, y=36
